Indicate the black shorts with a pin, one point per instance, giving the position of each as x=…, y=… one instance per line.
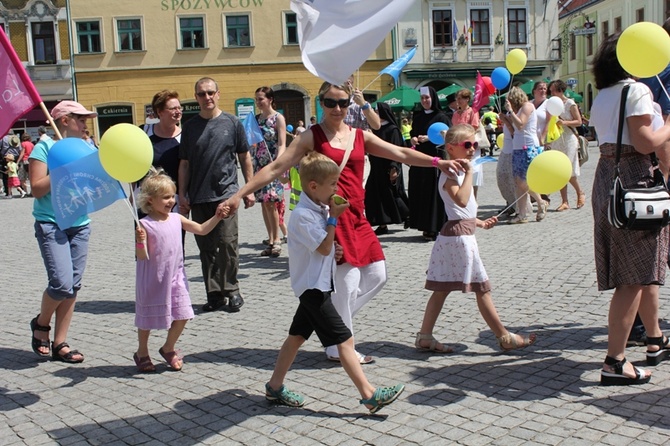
x=316, y=313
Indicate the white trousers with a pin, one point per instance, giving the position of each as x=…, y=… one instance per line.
x=354, y=287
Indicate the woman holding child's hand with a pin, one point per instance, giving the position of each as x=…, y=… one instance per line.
x=361, y=272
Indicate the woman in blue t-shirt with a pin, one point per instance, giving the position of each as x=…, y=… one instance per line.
x=64, y=251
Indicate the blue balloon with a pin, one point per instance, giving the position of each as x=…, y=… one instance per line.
x=435, y=133
x=66, y=151
x=289, y=128
x=500, y=77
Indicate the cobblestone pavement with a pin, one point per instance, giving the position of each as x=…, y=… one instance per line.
x=543, y=281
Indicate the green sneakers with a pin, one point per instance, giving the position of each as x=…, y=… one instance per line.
x=383, y=396
x=283, y=396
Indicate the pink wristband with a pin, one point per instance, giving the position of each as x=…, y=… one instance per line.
x=436, y=160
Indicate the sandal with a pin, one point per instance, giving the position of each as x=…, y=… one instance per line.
x=581, y=201
x=362, y=359
x=433, y=344
x=617, y=378
x=68, y=357
x=383, y=396
x=654, y=358
x=563, y=207
x=144, y=364
x=37, y=343
x=510, y=338
x=173, y=359
x=273, y=250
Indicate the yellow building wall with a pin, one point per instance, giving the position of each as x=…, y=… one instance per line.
x=138, y=87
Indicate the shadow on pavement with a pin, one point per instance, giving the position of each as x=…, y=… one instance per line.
x=194, y=421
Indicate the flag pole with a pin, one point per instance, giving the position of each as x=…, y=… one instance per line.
x=50, y=119
x=373, y=81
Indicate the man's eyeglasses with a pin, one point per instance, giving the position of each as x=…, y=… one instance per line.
x=202, y=94
x=331, y=103
x=175, y=109
x=468, y=144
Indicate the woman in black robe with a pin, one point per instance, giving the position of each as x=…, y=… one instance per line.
x=385, y=198
x=426, y=210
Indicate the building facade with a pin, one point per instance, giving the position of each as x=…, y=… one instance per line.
x=38, y=31
x=583, y=26
x=457, y=38
x=124, y=51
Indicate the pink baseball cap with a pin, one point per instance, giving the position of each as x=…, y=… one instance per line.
x=64, y=108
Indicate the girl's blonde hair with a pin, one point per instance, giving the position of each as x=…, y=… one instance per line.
x=457, y=133
x=155, y=184
x=326, y=86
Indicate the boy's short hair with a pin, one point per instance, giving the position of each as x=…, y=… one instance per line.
x=317, y=167
x=156, y=183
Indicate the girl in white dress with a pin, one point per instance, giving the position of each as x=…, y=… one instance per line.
x=454, y=262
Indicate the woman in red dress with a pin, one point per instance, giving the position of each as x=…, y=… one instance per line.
x=361, y=272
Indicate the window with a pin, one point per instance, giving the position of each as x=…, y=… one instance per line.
x=88, y=36
x=192, y=31
x=130, y=34
x=639, y=15
x=617, y=24
x=589, y=44
x=606, y=29
x=480, y=26
x=291, y=28
x=443, y=33
x=516, y=20
x=44, y=43
x=237, y=30
x=573, y=47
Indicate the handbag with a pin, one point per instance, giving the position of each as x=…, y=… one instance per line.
x=583, y=150
x=640, y=208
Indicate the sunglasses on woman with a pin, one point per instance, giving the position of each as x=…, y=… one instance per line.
x=331, y=103
x=468, y=144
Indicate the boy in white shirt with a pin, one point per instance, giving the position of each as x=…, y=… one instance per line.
x=312, y=266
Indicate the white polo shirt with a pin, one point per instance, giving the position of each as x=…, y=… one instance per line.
x=307, y=230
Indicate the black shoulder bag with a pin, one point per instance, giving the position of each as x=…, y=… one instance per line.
x=643, y=208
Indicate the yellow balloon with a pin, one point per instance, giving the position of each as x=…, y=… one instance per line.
x=516, y=61
x=126, y=152
x=549, y=172
x=643, y=49
x=499, y=141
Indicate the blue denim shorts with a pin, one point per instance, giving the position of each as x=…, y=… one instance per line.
x=64, y=253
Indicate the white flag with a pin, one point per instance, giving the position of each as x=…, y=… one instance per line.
x=337, y=36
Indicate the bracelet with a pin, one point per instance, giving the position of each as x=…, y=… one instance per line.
x=365, y=106
x=332, y=221
x=139, y=245
x=436, y=160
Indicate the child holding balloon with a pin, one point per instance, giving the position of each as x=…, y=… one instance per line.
x=454, y=262
x=162, y=299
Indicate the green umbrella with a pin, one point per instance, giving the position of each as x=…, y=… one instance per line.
x=527, y=87
x=446, y=91
x=574, y=96
x=402, y=98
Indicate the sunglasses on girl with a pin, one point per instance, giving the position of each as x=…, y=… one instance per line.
x=468, y=144
x=331, y=103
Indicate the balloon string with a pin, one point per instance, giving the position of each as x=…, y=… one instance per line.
x=663, y=87
x=515, y=202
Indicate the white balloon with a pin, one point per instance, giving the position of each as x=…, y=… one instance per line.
x=555, y=106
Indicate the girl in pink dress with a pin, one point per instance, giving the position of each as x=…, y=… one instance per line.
x=162, y=301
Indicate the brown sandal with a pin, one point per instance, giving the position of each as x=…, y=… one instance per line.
x=173, y=359
x=144, y=364
x=274, y=250
x=581, y=201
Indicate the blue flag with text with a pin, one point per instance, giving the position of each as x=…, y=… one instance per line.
x=82, y=187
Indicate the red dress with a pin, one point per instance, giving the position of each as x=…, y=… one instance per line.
x=359, y=242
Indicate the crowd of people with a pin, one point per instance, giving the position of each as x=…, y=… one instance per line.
x=336, y=261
